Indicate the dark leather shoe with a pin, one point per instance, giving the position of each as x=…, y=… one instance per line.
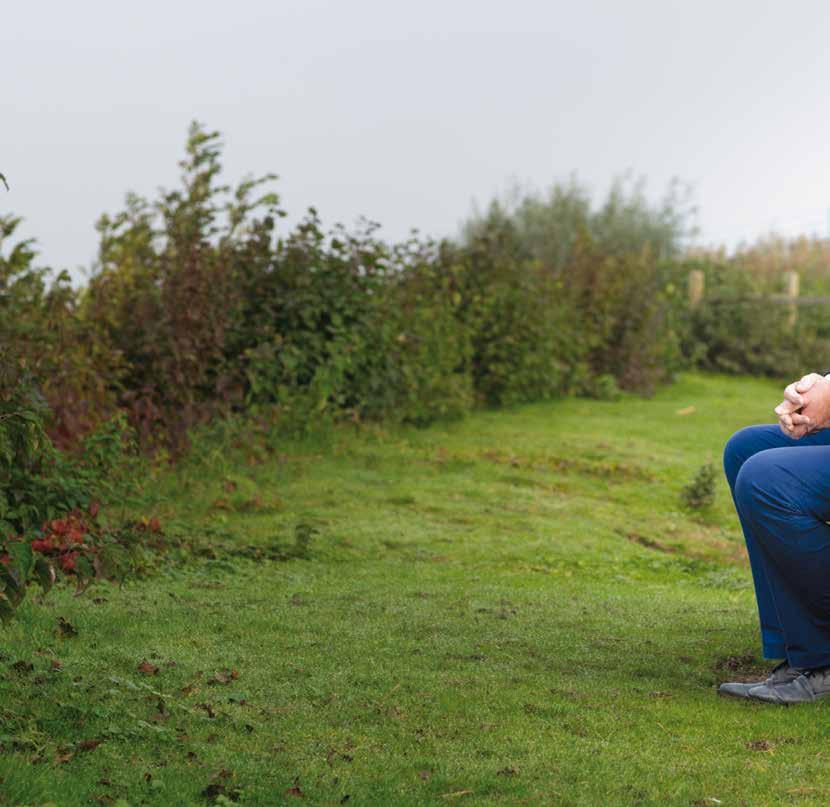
x=782, y=673
x=807, y=687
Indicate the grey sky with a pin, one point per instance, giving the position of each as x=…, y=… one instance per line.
x=407, y=112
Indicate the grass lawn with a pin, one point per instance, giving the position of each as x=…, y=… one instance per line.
x=512, y=609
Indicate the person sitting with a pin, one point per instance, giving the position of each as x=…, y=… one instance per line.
x=779, y=475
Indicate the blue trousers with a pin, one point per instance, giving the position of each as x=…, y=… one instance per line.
x=781, y=490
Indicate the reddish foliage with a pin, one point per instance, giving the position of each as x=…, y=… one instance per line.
x=68, y=561
x=63, y=537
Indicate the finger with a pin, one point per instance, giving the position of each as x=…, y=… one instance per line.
x=806, y=382
x=785, y=408
x=787, y=430
x=800, y=420
x=786, y=420
x=791, y=395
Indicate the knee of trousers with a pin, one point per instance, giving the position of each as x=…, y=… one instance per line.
x=742, y=445
x=762, y=485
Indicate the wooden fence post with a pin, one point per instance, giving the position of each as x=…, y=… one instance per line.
x=696, y=287
x=792, y=294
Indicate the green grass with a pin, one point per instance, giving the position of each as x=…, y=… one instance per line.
x=510, y=609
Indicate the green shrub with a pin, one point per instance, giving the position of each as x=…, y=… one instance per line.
x=700, y=492
x=736, y=331
x=520, y=326
x=602, y=387
x=52, y=389
x=568, y=292
x=351, y=326
x=416, y=363
x=46, y=346
x=166, y=296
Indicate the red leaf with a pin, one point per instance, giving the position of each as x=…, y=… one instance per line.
x=68, y=561
x=295, y=790
x=147, y=668
x=88, y=745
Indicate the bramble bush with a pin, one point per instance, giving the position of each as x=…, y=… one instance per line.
x=76, y=547
x=166, y=296
x=47, y=349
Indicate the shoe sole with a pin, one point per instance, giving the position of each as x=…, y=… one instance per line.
x=734, y=695
x=787, y=703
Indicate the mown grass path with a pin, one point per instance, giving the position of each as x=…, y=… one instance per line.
x=511, y=609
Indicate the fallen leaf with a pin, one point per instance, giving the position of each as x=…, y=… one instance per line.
x=146, y=668
x=88, y=745
x=295, y=790
x=210, y=712
x=686, y=410
x=759, y=745
x=66, y=629
x=62, y=757
x=225, y=676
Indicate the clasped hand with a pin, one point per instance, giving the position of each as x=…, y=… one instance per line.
x=806, y=406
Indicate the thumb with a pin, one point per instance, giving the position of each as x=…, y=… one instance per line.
x=806, y=382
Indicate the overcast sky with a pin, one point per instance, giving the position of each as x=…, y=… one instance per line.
x=408, y=112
